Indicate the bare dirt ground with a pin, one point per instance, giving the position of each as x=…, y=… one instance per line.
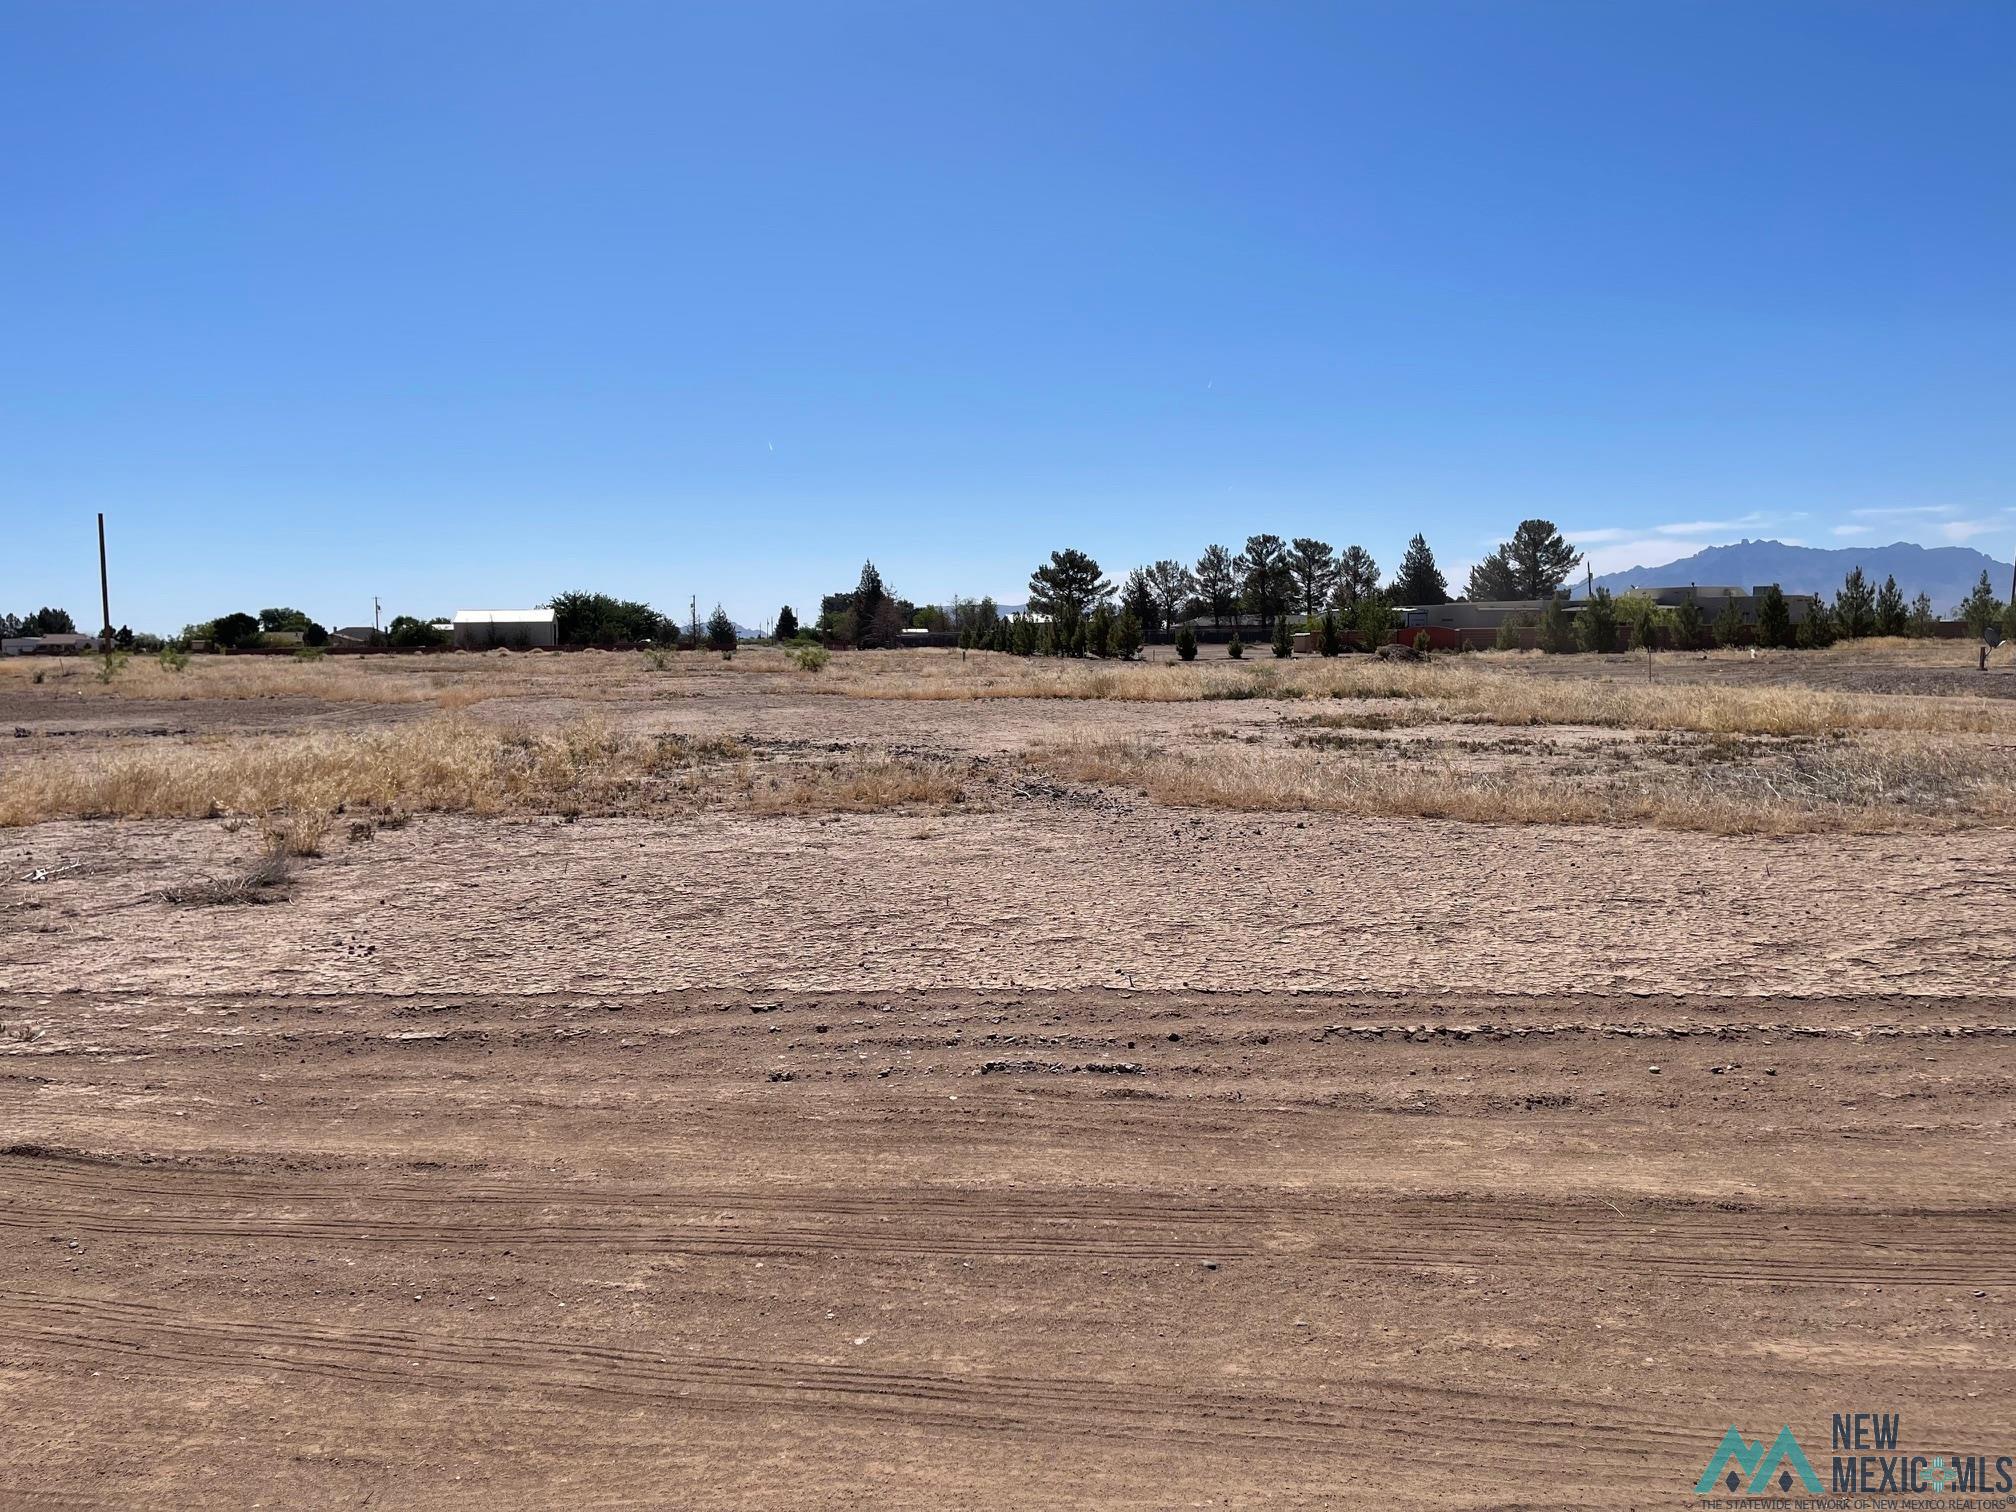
x=1057, y=1147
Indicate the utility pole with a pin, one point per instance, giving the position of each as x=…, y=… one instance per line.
x=104, y=585
x=374, y=614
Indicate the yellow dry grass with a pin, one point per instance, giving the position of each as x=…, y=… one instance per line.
x=1459, y=689
x=1490, y=689
x=1849, y=786
x=450, y=765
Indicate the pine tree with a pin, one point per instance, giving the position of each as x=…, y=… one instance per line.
x=1099, y=632
x=720, y=632
x=1890, y=611
x=1817, y=631
x=1327, y=639
x=1687, y=623
x=1980, y=609
x=1419, y=581
x=787, y=624
x=1556, y=633
x=1235, y=647
x=1729, y=628
x=1774, y=619
x=1186, y=643
x=1921, y=622
x=1372, y=621
x=1284, y=641
x=1855, y=606
x=1127, y=634
x=1596, y=625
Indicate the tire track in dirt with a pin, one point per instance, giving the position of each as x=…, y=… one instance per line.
x=1515, y=1431
x=1921, y=1249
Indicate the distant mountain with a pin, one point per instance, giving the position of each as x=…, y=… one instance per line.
x=1946, y=573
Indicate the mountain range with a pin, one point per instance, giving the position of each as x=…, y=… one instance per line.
x=1945, y=573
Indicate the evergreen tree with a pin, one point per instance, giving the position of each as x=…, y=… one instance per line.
x=1313, y=565
x=1509, y=636
x=787, y=624
x=1099, y=632
x=1174, y=587
x=1538, y=559
x=1687, y=623
x=1284, y=640
x=1817, y=631
x=1235, y=647
x=1420, y=581
x=1357, y=575
x=1067, y=586
x=720, y=632
x=1266, y=583
x=1328, y=641
x=1596, y=625
x=1186, y=643
x=1372, y=620
x=1127, y=633
x=1729, y=629
x=1492, y=579
x=869, y=597
x=1774, y=619
x=1980, y=609
x=1855, y=606
x=1137, y=597
x=1890, y=611
x=1217, y=581
x=1557, y=634
x=1921, y=622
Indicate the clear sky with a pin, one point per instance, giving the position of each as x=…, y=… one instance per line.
x=462, y=304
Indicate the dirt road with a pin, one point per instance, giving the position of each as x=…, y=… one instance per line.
x=1002, y=1249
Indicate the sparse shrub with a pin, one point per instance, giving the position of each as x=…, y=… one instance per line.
x=1186, y=644
x=662, y=658
x=1235, y=647
x=1508, y=637
x=261, y=882
x=111, y=664
x=811, y=658
x=297, y=834
x=309, y=653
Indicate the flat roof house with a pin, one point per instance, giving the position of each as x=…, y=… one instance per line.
x=481, y=629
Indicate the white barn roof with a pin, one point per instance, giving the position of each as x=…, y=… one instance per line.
x=503, y=616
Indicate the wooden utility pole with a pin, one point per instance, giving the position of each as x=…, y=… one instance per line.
x=104, y=585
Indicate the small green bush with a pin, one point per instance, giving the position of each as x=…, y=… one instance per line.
x=1186, y=644
x=811, y=658
x=1235, y=647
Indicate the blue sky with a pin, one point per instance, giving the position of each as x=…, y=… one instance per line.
x=461, y=304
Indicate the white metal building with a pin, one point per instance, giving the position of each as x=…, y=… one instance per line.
x=480, y=629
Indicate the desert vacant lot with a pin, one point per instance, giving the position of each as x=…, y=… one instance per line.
x=604, y=1081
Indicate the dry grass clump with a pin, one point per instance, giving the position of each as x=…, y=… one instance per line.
x=861, y=784
x=1836, y=786
x=446, y=766
x=264, y=881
